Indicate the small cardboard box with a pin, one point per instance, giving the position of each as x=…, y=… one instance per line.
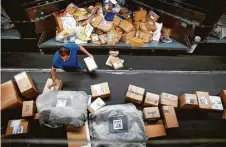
x=79, y=134
x=16, y=127
x=126, y=26
x=71, y=8
x=90, y=63
x=116, y=63
x=145, y=36
x=204, y=100
x=169, y=99
x=136, y=42
x=139, y=15
x=9, y=96
x=26, y=85
x=136, y=24
x=150, y=25
x=127, y=36
x=95, y=105
x=108, y=62
x=151, y=99
x=28, y=108
x=223, y=97
x=96, y=21
x=100, y=90
x=49, y=81
x=151, y=113
x=103, y=38
x=188, y=101
x=170, y=118
x=135, y=94
x=143, y=27
x=37, y=116
x=153, y=16
x=94, y=37
x=216, y=103
x=155, y=129
x=112, y=37
x=105, y=26
x=224, y=115
x=116, y=20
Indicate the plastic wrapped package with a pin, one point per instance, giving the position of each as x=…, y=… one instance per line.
x=59, y=108
x=118, y=123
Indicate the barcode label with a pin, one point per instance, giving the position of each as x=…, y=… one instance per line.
x=203, y=100
x=61, y=103
x=117, y=124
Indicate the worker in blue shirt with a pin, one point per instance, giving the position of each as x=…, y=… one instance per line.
x=66, y=58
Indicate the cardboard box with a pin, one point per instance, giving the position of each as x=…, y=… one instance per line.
x=143, y=27
x=139, y=15
x=150, y=25
x=166, y=31
x=100, y=90
x=49, y=82
x=204, y=100
x=37, y=116
x=155, y=129
x=95, y=105
x=96, y=21
x=105, y=26
x=116, y=63
x=16, y=127
x=90, y=63
x=136, y=24
x=26, y=85
x=170, y=118
x=108, y=62
x=127, y=36
x=71, y=8
x=59, y=23
x=136, y=42
x=116, y=20
x=79, y=134
x=94, y=37
x=153, y=16
x=169, y=99
x=223, y=97
x=126, y=26
x=28, y=108
x=216, y=103
x=103, y=38
x=151, y=99
x=224, y=115
x=135, y=94
x=151, y=113
x=9, y=96
x=188, y=101
x=145, y=36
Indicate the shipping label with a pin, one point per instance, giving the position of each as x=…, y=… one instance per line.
x=203, y=101
x=61, y=103
x=15, y=123
x=17, y=130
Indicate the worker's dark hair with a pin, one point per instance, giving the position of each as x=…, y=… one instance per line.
x=64, y=51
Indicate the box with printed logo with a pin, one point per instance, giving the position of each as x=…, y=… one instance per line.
x=100, y=90
x=169, y=99
x=151, y=113
x=28, y=108
x=17, y=127
x=216, y=103
x=135, y=94
x=188, y=101
x=49, y=81
x=203, y=100
x=95, y=105
x=170, y=117
x=151, y=99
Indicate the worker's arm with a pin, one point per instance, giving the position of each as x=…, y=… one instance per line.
x=81, y=48
x=53, y=76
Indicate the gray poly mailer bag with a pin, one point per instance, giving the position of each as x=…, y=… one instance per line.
x=59, y=108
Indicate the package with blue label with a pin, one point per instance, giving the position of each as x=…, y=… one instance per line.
x=15, y=127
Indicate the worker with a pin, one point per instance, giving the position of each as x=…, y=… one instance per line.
x=66, y=58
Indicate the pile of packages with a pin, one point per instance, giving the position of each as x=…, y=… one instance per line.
x=109, y=24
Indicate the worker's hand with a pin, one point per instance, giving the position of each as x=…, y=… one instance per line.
x=90, y=55
x=53, y=84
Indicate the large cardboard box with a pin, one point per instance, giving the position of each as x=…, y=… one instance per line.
x=16, y=127
x=223, y=97
x=49, y=82
x=188, y=101
x=28, y=108
x=95, y=105
x=216, y=103
x=9, y=96
x=96, y=20
x=139, y=15
x=224, y=114
x=151, y=113
x=169, y=99
x=78, y=137
x=170, y=118
x=26, y=85
x=136, y=42
x=105, y=26
x=204, y=100
x=116, y=63
x=126, y=26
x=100, y=90
x=71, y=8
x=90, y=63
x=151, y=99
x=135, y=94
x=155, y=129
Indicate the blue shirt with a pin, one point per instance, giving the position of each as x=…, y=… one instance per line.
x=71, y=63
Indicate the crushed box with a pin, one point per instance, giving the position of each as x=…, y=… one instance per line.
x=156, y=129
x=169, y=99
x=96, y=21
x=95, y=105
x=71, y=8
x=203, y=100
x=100, y=90
x=224, y=114
x=216, y=103
x=151, y=99
x=170, y=118
x=126, y=26
x=135, y=94
x=90, y=63
x=139, y=15
x=9, y=96
x=116, y=63
x=151, y=113
x=28, y=108
x=49, y=82
x=16, y=127
x=26, y=85
x=136, y=42
x=188, y=101
x=223, y=97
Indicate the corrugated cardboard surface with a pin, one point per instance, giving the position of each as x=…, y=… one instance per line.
x=151, y=113
x=203, y=104
x=135, y=94
x=151, y=99
x=155, y=129
x=223, y=97
x=9, y=95
x=28, y=108
x=170, y=118
x=169, y=99
x=49, y=82
x=22, y=123
x=116, y=63
x=188, y=101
